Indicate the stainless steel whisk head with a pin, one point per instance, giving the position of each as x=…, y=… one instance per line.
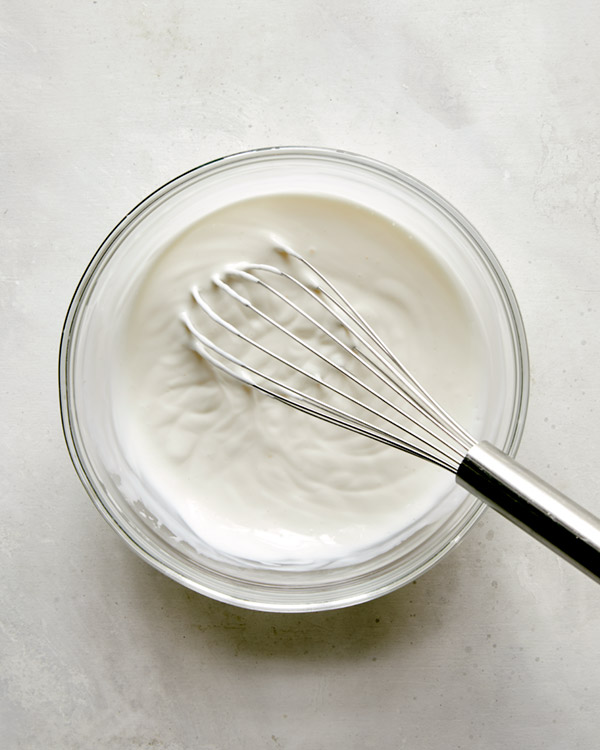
x=391, y=406
x=365, y=388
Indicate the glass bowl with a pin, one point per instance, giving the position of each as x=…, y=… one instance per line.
x=98, y=302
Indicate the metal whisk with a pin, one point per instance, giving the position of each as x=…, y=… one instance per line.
x=370, y=392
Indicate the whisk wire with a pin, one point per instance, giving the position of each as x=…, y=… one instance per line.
x=325, y=412
x=352, y=351
x=422, y=397
x=408, y=387
x=447, y=460
x=433, y=434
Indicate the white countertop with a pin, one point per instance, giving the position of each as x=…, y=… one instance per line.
x=496, y=105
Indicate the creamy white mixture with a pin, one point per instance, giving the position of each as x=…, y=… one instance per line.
x=239, y=475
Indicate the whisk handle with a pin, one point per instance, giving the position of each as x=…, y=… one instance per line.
x=534, y=505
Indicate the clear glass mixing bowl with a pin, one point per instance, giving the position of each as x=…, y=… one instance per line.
x=98, y=303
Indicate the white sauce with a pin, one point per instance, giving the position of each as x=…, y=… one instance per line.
x=239, y=475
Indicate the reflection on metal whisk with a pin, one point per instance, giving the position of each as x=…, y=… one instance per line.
x=388, y=402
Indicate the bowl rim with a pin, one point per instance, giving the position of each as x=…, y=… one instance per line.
x=495, y=272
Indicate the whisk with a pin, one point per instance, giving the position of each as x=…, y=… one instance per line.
x=371, y=393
